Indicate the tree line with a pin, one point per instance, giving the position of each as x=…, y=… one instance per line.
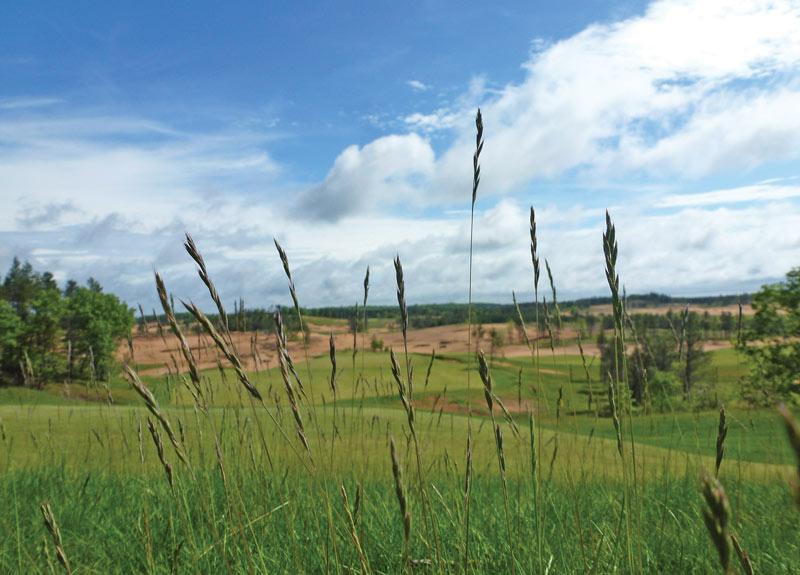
x=49, y=333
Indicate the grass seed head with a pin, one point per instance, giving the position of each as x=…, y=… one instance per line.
x=366, y=290
x=476, y=168
x=486, y=377
x=400, y=490
x=498, y=436
x=722, y=432
x=716, y=517
x=401, y=295
x=534, y=252
x=332, y=353
x=55, y=533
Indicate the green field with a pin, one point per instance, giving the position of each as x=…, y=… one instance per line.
x=265, y=504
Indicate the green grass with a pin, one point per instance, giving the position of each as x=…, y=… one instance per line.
x=113, y=523
x=84, y=459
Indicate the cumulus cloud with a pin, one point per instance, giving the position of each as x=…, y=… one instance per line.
x=386, y=172
x=684, y=91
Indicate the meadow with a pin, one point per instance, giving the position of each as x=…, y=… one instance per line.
x=276, y=458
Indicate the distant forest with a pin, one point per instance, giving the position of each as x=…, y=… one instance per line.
x=432, y=315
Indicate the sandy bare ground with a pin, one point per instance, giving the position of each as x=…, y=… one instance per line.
x=677, y=309
x=155, y=355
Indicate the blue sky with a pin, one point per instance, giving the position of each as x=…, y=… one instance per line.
x=346, y=131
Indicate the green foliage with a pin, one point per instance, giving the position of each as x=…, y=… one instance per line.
x=773, y=342
x=10, y=331
x=39, y=324
x=96, y=321
x=41, y=334
x=29, y=354
x=662, y=386
x=376, y=344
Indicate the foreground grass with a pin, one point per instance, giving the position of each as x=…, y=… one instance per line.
x=114, y=523
x=263, y=509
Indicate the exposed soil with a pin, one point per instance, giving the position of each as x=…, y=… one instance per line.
x=677, y=308
x=154, y=354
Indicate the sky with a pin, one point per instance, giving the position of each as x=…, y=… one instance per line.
x=346, y=131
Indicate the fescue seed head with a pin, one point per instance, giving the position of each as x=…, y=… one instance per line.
x=401, y=295
x=228, y=352
x=400, y=490
x=534, y=253
x=486, y=377
x=194, y=372
x=301, y=432
x=194, y=253
x=722, y=432
x=476, y=168
x=521, y=320
x=152, y=405
x=402, y=389
x=55, y=533
x=716, y=518
x=366, y=289
x=285, y=262
x=610, y=251
x=498, y=436
x=332, y=354
x=160, y=449
x=550, y=279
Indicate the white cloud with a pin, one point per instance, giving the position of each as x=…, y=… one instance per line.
x=755, y=193
x=439, y=120
x=687, y=90
x=385, y=173
x=417, y=85
x=22, y=103
x=102, y=165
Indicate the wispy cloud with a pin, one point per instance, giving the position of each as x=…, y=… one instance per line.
x=755, y=193
x=97, y=165
x=417, y=85
x=21, y=103
x=44, y=216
